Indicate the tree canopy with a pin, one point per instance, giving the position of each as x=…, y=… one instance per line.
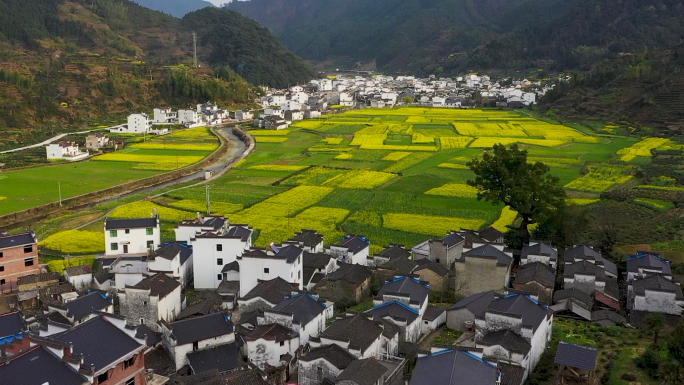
x=503, y=175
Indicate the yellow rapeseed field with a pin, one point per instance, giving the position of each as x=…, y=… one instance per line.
x=460, y=190
x=507, y=217
x=75, y=242
x=428, y=224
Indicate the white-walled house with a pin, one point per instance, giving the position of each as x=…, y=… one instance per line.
x=243, y=115
x=352, y=249
x=131, y=236
x=186, y=336
x=539, y=252
x=273, y=345
x=187, y=230
x=187, y=116
x=514, y=328
x=407, y=290
x=360, y=336
x=308, y=240
x=212, y=250
x=644, y=265
x=164, y=115
x=84, y=307
x=655, y=294
x=136, y=124
x=303, y=313
x=324, y=362
x=79, y=276
x=259, y=264
x=174, y=259
x=128, y=271
x=154, y=298
x=65, y=150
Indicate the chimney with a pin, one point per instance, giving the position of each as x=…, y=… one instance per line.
x=68, y=350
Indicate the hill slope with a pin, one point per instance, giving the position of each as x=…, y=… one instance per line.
x=177, y=8
x=69, y=63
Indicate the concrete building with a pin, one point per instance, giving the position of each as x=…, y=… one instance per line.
x=137, y=124
x=18, y=258
x=164, y=115
x=446, y=250
x=131, y=236
x=272, y=345
x=128, y=271
x=260, y=264
x=174, y=259
x=353, y=249
x=212, y=250
x=481, y=269
x=243, y=115
x=154, y=298
x=65, y=151
x=187, y=117
x=96, y=141
x=349, y=281
x=303, y=313
x=80, y=277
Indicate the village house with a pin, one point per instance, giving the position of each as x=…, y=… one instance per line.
x=593, y=280
x=476, y=238
x=136, y=124
x=433, y=318
x=221, y=359
x=576, y=362
x=323, y=363
x=65, y=151
x=393, y=251
x=18, y=258
x=274, y=122
x=128, y=271
x=514, y=329
x=294, y=115
x=154, y=298
x=536, y=279
x=266, y=294
x=481, y=269
x=303, y=313
x=174, y=259
x=243, y=115
x=539, y=252
x=205, y=302
x=308, y=240
x=84, y=307
x=435, y=274
x=80, y=277
x=349, y=281
x=405, y=317
x=96, y=141
x=316, y=267
x=164, y=115
x=45, y=366
x=181, y=338
x=272, y=346
x=445, y=251
x=372, y=371
x=189, y=229
x=352, y=249
x=259, y=264
x=13, y=333
x=131, y=236
x=360, y=336
x=644, y=265
x=585, y=253
x=407, y=290
x=454, y=367
x=102, y=349
x=187, y=117
x=212, y=250
x=655, y=294
x=312, y=114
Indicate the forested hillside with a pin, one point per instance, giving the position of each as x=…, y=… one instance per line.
x=177, y=8
x=70, y=63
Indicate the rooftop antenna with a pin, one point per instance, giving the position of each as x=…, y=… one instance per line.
x=194, y=45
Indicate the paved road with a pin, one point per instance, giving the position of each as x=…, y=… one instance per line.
x=54, y=138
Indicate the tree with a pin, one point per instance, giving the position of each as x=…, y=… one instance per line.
x=675, y=343
x=655, y=322
x=503, y=175
x=408, y=99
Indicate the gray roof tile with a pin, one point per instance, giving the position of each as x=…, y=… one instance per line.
x=576, y=356
x=453, y=367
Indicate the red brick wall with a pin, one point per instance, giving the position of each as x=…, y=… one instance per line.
x=119, y=374
x=13, y=262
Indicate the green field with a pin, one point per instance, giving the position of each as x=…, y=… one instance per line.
x=31, y=187
x=393, y=175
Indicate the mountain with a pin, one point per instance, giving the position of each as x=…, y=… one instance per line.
x=177, y=8
x=65, y=64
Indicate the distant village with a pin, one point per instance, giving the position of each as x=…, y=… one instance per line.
x=211, y=308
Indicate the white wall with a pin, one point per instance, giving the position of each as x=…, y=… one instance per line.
x=54, y=151
x=179, y=353
x=122, y=280
x=262, y=352
x=187, y=116
x=253, y=269
x=658, y=302
x=82, y=281
x=206, y=269
x=169, y=306
x=137, y=240
x=168, y=266
x=138, y=123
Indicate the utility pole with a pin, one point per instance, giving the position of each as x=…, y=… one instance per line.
x=194, y=46
x=59, y=188
x=208, y=200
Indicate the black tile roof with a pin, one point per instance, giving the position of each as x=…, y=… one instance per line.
x=114, y=224
x=233, y=266
x=491, y=234
x=363, y=372
x=354, y=243
x=308, y=238
x=358, y=330
x=289, y=252
x=394, y=251
x=453, y=367
x=352, y=273
x=436, y=267
x=532, y=313
x=334, y=354
x=540, y=248
x=201, y=328
x=275, y=332
x=574, y=294
x=657, y=283
x=584, y=268
x=536, y=272
x=247, y=377
x=394, y=310
x=79, y=270
x=159, y=285
x=587, y=253
x=273, y=291
x=38, y=366
x=452, y=239
x=508, y=340
x=11, y=324
x=316, y=260
x=103, y=275
x=87, y=304
x=228, y=287
x=100, y=342
x=303, y=308
x=17, y=240
x=222, y=358
x=476, y=303
x=35, y=278
x=490, y=251
x=243, y=232
x=153, y=337
x=432, y=312
x=401, y=265
x=511, y=374
x=648, y=261
x=576, y=356
x=408, y=286
x=169, y=251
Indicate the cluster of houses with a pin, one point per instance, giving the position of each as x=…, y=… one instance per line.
x=70, y=151
x=210, y=307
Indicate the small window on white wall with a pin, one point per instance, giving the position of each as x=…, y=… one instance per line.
x=266, y=270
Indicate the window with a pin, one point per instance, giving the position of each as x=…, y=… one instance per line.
x=150, y=245
x=28, y=262
x=112, y=233
x=130, y=381
x=129, y=362
x=2, y=281
x=114, y=246
x=219, y=261
x=128, y=231
x=299, y=275
x=1, y=254
x=142, y=321
x=2, y=268
x=219, y=277
x=319, y=373
x=266, y=270
x=282, y=343
x=28, y=249
x=195, y=345
x=102, y=377
x=144, y=303
x=150, y=231
x=219, y=247
x=437, y=260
